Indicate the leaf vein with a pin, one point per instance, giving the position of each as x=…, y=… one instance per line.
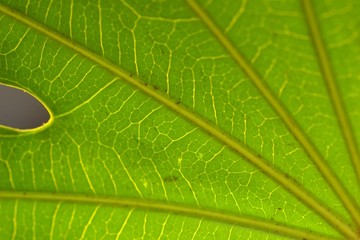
x=166, y=207
x=338, y=105
x=288, y=120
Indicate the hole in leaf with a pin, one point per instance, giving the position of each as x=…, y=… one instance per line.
x=21, y=110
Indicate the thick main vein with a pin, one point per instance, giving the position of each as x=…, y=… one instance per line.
x=165, y=207
x=280, y=109
x=244, y=151
x=333, y=92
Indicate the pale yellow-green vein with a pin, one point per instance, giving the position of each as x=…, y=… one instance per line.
x=87, y=100
x=334, y=94
x=280, y=177
x=282, y=112
x=133, y=203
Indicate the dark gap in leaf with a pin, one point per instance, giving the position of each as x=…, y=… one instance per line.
x=19, y=109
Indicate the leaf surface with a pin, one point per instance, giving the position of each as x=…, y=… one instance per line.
x=183, y=119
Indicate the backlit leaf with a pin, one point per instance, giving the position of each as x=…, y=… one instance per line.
x=183, y=120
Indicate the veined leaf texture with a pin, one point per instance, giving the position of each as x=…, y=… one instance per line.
x=183, y=120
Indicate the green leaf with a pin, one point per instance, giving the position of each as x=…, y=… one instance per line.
x=183, y=119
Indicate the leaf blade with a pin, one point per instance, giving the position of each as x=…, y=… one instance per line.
x=100, y=127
